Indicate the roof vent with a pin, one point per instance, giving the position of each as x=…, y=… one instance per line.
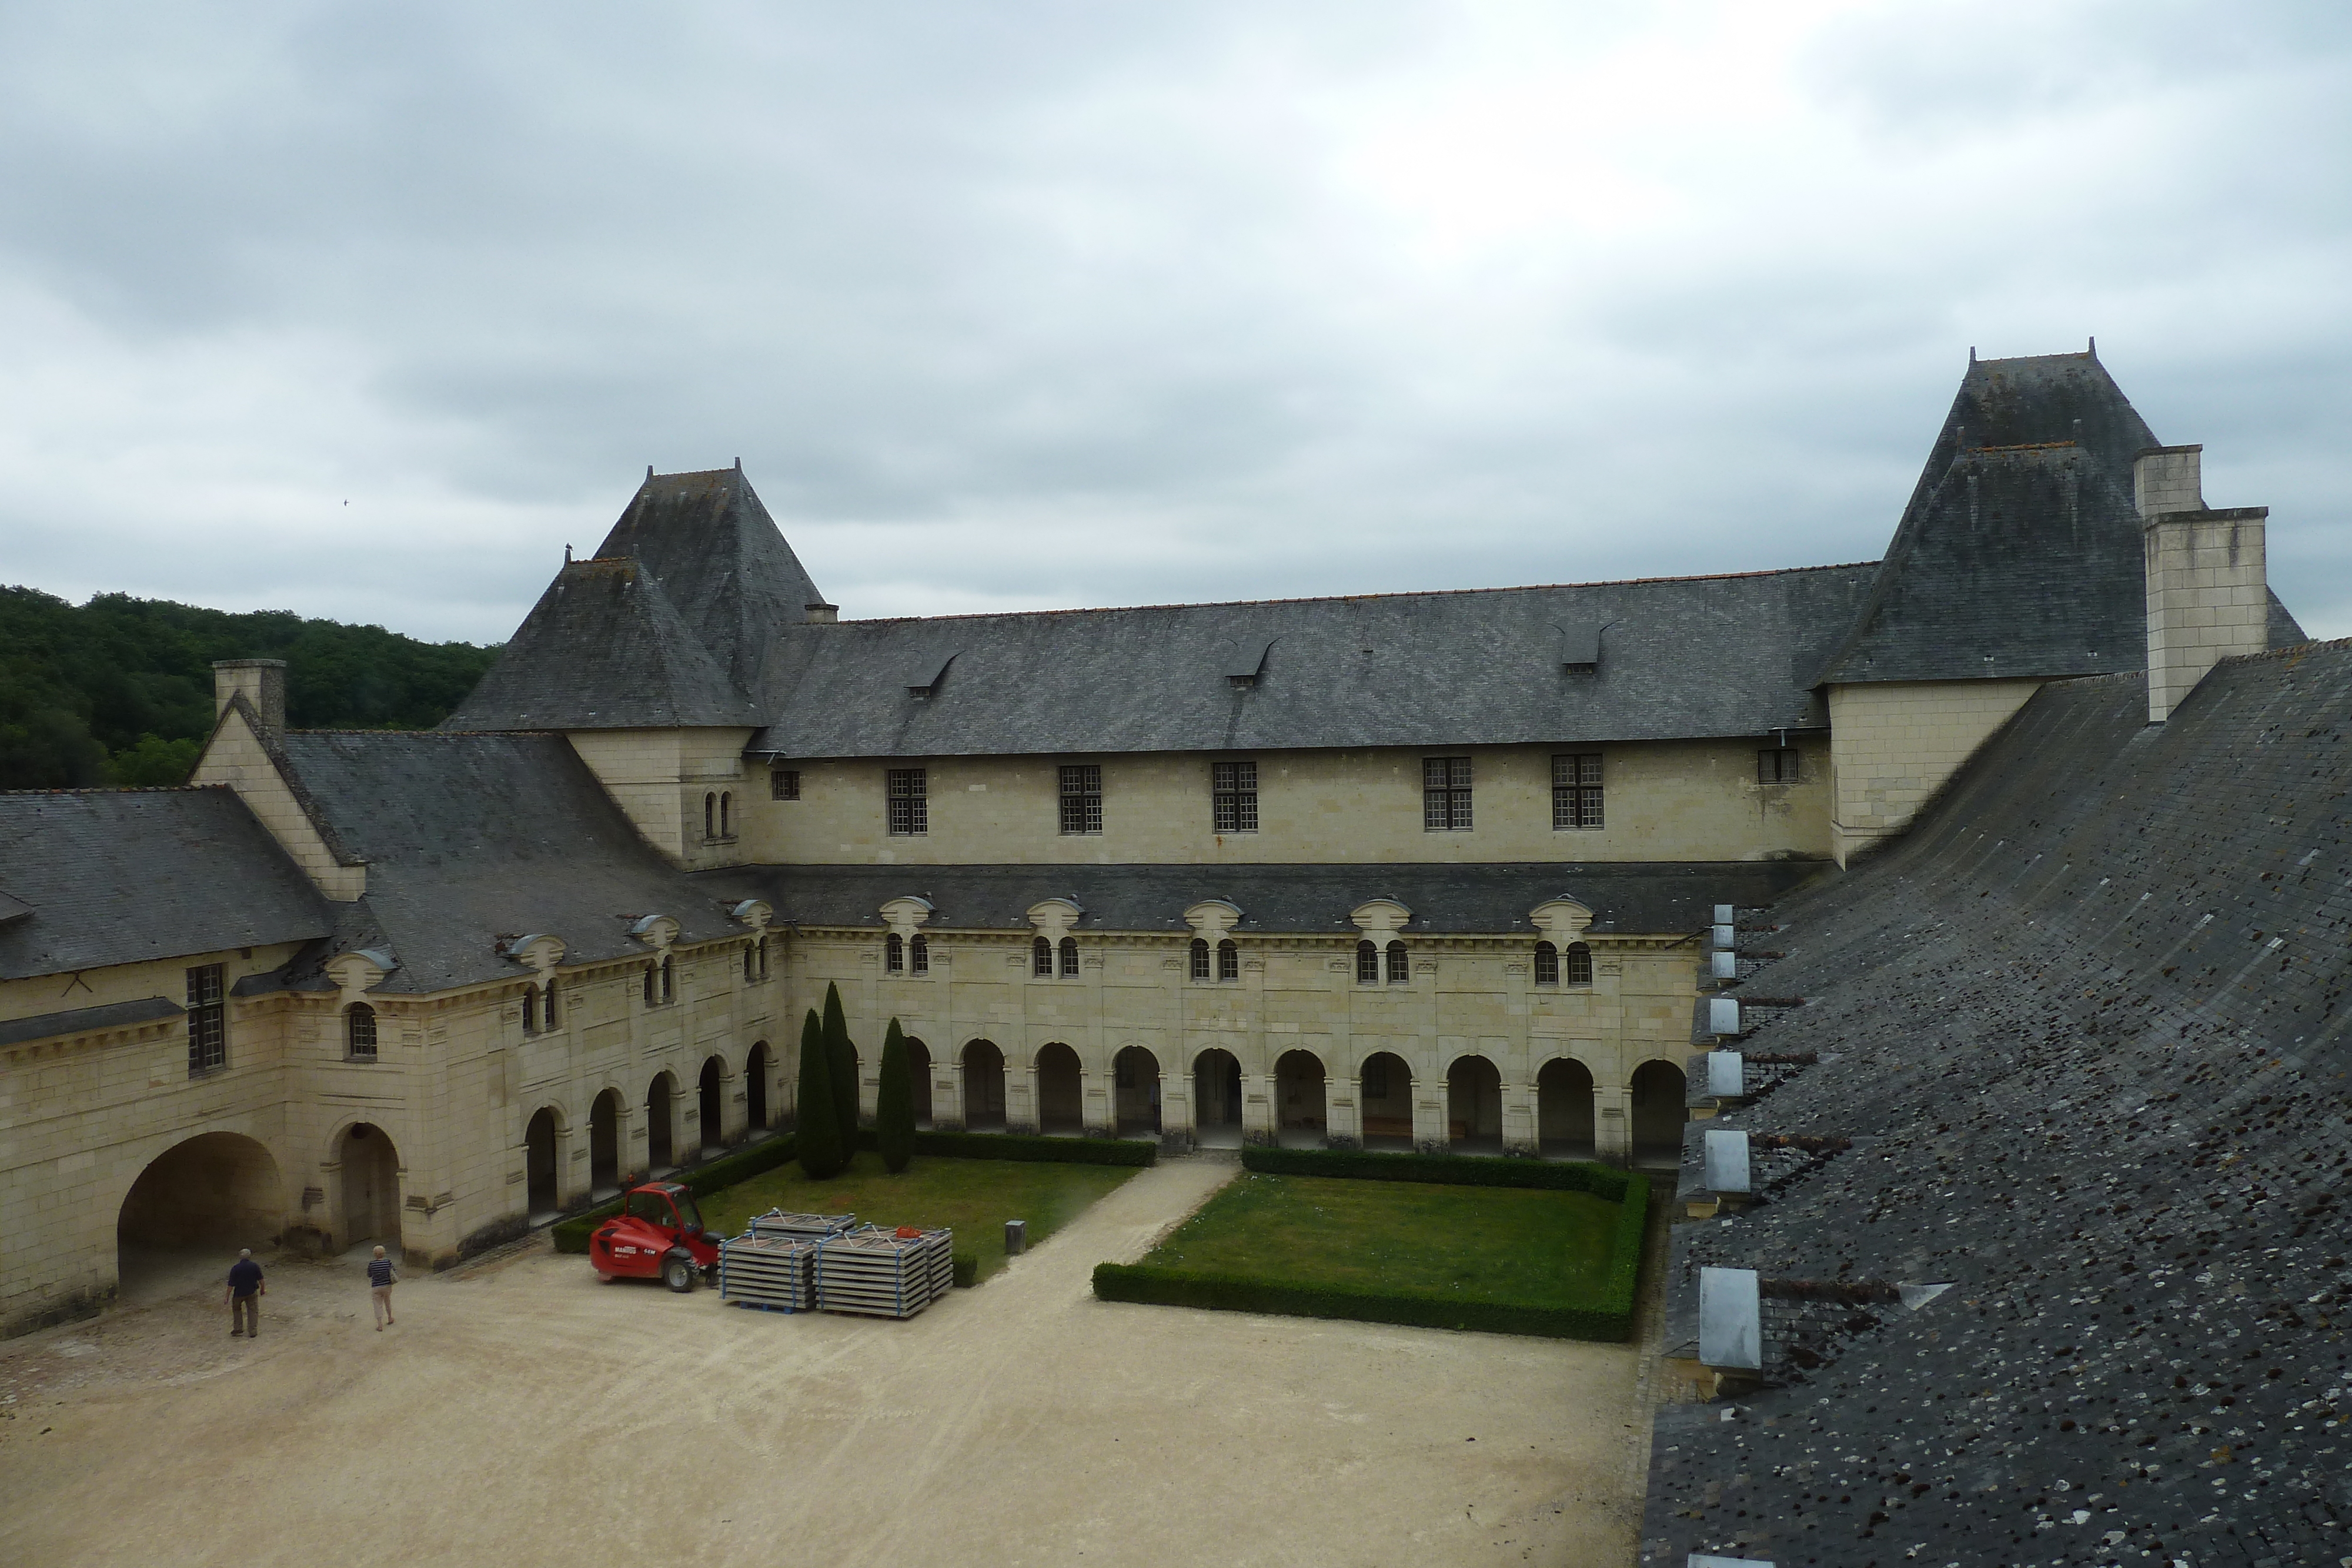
x=1727, y=1072
x=926, y=671
x=1727, y=1161
x=1580, y=646
x=1730, y=1319
x=1722, y=939
x=1726, y=966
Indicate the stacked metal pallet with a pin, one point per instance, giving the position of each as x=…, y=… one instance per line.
x=884, y=1273
x=778, y=1273
x=802, y=1227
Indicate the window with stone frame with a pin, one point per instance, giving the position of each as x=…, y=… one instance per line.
x=1229, y=961
x=918, y=955
x=1399, y=964
x=529, y=1009
x=1777, y=764
x=1575, y=789
x=1233, y=797
x=909, y=802
x=1367, y=964
x=208, y=1019
x=547, y=1004
x=1446, y=794
x=1081, y=792
x=894, y=954
x=359, y=1031
x=1200, y=957
x=1069, y=957
x=1040, y=958
x=1546, y=963
x=783, y=783
x=1579, y=966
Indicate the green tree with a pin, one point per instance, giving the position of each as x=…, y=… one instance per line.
x=894, y=1103
x=821, y=1149
x=156, y=763
x=843, y=1060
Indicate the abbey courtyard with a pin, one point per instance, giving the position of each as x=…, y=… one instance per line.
x=1488, y=872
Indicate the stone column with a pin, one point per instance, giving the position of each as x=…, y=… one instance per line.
x=1021, y=1097
x=1097, y=1110
x=1519, y=1131
x=1343, y=1115
x=1176, y=1115
x=947, y=1096
x=571, y=1166
x=1430, y=1134
x=1261, y=1113
x=1613, y=1124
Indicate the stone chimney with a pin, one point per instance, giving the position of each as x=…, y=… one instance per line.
x=263, y=683
x=823, y=614
x=2208, y=585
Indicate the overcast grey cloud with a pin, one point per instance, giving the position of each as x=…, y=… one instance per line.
x=366, y=310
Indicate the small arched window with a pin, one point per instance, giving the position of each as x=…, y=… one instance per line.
x=1367, y=964
x=727, y=813
x=893, y=953
x=530, y=1010
x=1069, y=955
x=1399, y=964
x=547, y=1004
x=1200, y=957
x=710, y=816
x=668, y=977
x=652, y=970
x=1579, y=964
x=1229, y=961
x=1546, y=963
x=359, y=1033
x=752, y=961
x=1041, y=957
x=918, y=956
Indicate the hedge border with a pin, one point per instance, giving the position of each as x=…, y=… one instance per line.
x=1610, y=1319
x=1448, y=1170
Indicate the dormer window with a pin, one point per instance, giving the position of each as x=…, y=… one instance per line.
x=359, y=1033
x=1399, y=964
x=530, y=1010
x=1040, y=958
x=1579, y=967
x=1367, y=964
x=1229, y=961
x=1069, y=957
x=547, y=1004
x=1200, y=957
x=1546, y=963
x=894, y=954
x=660, y=982
x=918, y=955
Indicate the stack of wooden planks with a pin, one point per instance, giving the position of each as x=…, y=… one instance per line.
x=884, y=1273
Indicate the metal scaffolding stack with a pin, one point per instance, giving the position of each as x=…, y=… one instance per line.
x=778, y=1273
x=801, y=1227
x=884, y=1273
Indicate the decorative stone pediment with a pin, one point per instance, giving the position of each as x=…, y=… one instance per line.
x=1561, y=920
x=754, y=912
x=1054, y=917
x=1381, y=917
x=905, y=913
x=658, y=932
x=360, y=970
x=538, y=952
x=1213, y=918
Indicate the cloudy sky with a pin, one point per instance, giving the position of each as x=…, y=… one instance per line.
x=366, y=310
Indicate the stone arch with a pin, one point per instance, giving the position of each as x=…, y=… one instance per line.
x=1564, y=1123
x=1473, y=1105
x=918, y=1072
x=757, y=1065
x=1384, y=1099
x=1301, y=1109
x=605, y=1152
x=366, y=1204
x=542, y=1139
x=983, y=1087
x=1658, y=1110
x=211, y=1192
x=661, y=1123
x=1061, y=1090
x=1217, y=1098
x=1135, y=1091
x=710, y=1103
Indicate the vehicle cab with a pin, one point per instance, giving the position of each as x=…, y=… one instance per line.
x=659, y=1233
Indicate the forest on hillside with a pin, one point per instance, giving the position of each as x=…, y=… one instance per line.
x=118, y=691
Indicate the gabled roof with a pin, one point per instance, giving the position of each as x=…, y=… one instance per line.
x=603, y=648
x=2020, y=554
x=122, y=876
x=1695, y=656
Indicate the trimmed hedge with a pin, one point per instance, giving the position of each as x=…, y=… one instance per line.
x=967, y=1269
x=1042, y=1151
x=571, y=1235
x=1609, y=1318
x=1445, y=1170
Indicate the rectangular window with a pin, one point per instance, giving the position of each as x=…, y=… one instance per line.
x=911, y=805
x=784, y=784
x=1575, y=789
x=1446, y=794
x=1081, y=799
x=1232, y=796
x=208, y=1019
x=1777, y=765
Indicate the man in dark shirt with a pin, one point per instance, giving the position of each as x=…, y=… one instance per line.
x=245, y=1294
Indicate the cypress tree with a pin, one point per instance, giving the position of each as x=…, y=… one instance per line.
x=820, y=1149
x=893, y=1105
x=841, y=1058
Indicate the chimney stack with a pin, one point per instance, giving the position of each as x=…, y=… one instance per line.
x=822, y=614
x=2208, y=582
x=262, y=683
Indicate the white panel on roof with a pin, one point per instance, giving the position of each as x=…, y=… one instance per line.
x=1727, y=1073
x=1730, y=1319
x=1722, y=1015
x=1725, y=914
x=1726, y=965
x=1722, y=939
x=1726, y=1160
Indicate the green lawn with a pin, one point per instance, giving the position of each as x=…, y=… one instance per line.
x=973, y=1198
x=1487, y=1243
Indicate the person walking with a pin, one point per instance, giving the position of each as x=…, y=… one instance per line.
x=245, y=1292
x=381, y=1277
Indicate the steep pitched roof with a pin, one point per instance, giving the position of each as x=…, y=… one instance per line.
x=119, y=876
x=603, y=648
x=1695, y=656
x=721, y=560
x=470, y=838
x=2020, y=553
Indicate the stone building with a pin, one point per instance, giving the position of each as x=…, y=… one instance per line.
x=1416, y=870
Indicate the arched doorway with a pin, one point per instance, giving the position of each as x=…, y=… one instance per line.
x=1298, y=1093
x=215, y=1192
x=918, y=1070
x=604, y=1144
x=711, y=1114
x=542, y=1192
x=983, y=1087
x=1384, y=1094
x=1474, y=1106
x=1564, y=1109
x=369, y=1205
x=1217, y=1099
x=1061, y=1101
x=755, y=1085
x=1658, y=1112
x=1135, y=1083
x=661, y=1145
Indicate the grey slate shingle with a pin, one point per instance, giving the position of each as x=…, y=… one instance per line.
x=81, y=1020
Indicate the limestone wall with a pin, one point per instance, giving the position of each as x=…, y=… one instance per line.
x=1894, y=743
x=659, y=777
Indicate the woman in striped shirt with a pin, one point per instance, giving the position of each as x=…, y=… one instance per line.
x=380, y=1282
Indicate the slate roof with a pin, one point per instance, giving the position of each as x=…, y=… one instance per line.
x=2020, y=553
x=603, y=648
x=122, y=876
x=83, y=1020
x=2086, y=1027
x=1296, y=899
x=472, y=838
x=1695, y=656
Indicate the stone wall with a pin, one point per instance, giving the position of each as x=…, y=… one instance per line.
x=1893, y=743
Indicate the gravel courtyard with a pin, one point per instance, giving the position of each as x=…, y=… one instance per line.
x=521, y=1413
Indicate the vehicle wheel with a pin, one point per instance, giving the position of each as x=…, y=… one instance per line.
x=678, y=1273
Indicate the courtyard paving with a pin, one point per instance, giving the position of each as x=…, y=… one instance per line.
x=522, y=1413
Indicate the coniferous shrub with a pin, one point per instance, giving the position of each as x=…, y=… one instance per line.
x=841, y=1058
x=824, y=1146
x=894, y=1103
